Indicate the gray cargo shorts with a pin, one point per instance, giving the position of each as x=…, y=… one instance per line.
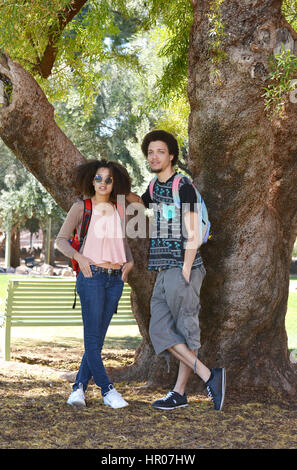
x=175, y=306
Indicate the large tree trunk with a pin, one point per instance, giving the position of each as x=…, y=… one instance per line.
x=28, y=128
x=246, y=168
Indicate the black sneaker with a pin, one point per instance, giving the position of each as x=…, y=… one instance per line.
x=171, y=401
x=216, y=386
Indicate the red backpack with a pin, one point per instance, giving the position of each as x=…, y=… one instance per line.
x=76, y=242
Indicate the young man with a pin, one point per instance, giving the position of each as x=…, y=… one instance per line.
x=175, y=302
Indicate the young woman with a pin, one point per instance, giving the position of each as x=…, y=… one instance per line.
x=105, y=261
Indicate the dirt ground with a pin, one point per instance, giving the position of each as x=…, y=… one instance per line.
x=34, y=413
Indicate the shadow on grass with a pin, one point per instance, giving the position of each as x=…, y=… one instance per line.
x=111, y=342
x=65, y=353
x=122, y=342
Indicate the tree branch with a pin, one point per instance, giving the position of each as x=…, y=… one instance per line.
x=45, y=64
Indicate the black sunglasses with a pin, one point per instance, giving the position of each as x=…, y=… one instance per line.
x=99, y=179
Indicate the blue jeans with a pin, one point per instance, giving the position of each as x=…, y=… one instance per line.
x=99, y=297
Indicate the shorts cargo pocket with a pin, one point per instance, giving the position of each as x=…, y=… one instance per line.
x=188, y=325
x=188, y=321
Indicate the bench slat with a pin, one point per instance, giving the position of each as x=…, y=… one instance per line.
x=70, y=323
x=55, y=292
x=55, y=321
x=57, y=312
x=57, y=305
x=66, y=318
x=58, y=292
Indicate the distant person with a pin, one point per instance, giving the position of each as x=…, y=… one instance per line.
x=104, y=261
x=175, y=302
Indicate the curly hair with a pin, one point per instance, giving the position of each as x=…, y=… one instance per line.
x=164, y=136
x=85, y=173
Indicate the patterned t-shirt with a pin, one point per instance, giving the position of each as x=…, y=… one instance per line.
x=168, y=235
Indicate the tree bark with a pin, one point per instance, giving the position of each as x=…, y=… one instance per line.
x=28, y=128
x=45, y=64
x=15, y=251
x=246, y=168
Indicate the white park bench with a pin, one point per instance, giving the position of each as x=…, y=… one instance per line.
x=48, y=302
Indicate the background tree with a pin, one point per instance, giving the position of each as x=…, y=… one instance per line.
x=26, y=206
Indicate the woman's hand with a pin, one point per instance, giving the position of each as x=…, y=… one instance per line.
x=126, y=269
x=84, y=264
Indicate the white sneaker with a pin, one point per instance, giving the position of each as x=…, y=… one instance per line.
x=77, y=398
x=114, y=399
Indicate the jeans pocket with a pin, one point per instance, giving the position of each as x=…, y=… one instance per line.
x=78, y=281
x=118, y=279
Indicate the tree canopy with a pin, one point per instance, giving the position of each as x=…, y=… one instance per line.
x=67, y=39
x=115, y=69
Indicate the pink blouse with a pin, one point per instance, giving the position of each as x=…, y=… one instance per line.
x=104, y=241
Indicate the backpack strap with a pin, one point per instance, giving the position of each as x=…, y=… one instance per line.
x=175, y=189
x=83, y=231
x=151, y=186
x=86, y=221
x=203, y=214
